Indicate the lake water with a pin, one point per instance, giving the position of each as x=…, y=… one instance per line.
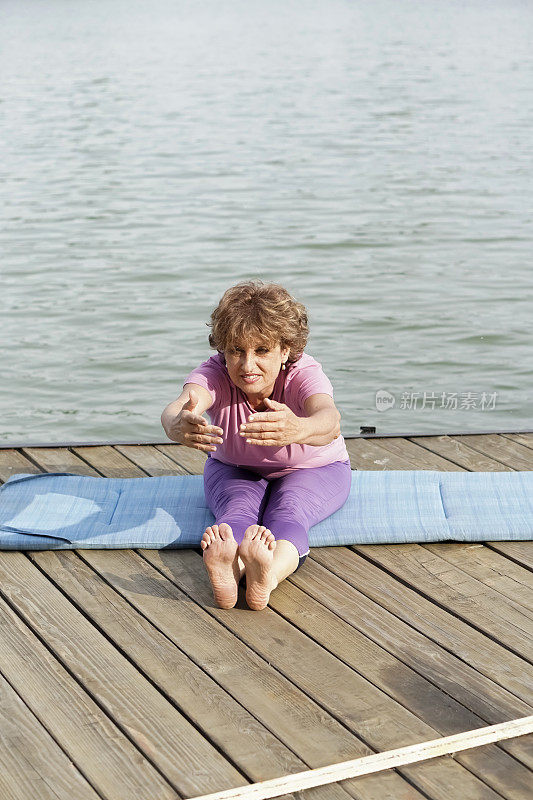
x=374, y=158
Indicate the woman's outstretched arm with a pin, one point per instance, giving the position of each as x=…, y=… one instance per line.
x=321, y=426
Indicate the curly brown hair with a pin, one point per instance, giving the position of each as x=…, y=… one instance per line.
x=258, y=311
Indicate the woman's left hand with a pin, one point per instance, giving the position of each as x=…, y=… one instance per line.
x=275, y=428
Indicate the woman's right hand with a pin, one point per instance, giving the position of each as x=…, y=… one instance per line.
x=193, y=430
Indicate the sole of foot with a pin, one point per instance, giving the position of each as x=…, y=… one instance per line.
x=221, y=562
x=257, y=552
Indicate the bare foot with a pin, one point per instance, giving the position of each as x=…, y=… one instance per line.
x=257, y=552
x=221, y=563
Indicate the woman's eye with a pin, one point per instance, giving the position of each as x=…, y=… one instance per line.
x=236, y=350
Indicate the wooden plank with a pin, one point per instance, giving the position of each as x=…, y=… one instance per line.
x=12, y=462
x=31, y=763
x=418, y=456
x=368, y=454
x=303, y=726
x=153, y=442
x=109, y=462
x=112, y=463
x=466, y=588
x=509, y=453
x=520, y=552
x=376, y=763
x=494, y=570
x=151, y=460
x=187, y=457
x=418, y=696
x=236, y=733
x=85, y=443
x=459, y=593
x=143, y=461
x=354, y=701
x=455, y=449
x=458, y=451
x=429, y=464
x=177, y=749
x=452, y=633
x=100, y=751
x=449, y=674
x=521, y=438
x=59, y=460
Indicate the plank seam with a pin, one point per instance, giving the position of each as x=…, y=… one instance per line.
x=84, y=688
x=95, y=468
x=367, y=765
x=505, y=597
x=176, y=461
x=199, y=666
x=420, y=633
x=448, y=458
x=410, y=457
x=88, y=463
x=508, y=434
x=29, y=458
x=509, y=556
x=410, y=624
x=328, y=711
x=128, y=658
x=444, y=608
x=387, y=692
x=138, y=466
x=258, y=655
x=498, y=459
x=52, y=736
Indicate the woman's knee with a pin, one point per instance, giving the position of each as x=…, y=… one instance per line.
x=313, y=493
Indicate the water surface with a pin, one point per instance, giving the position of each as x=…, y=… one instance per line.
x=374, y=158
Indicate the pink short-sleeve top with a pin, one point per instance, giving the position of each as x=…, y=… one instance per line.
x=230, y=408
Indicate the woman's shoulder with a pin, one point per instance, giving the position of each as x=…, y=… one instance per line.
x=306, y=377
x=218, y=362
x=211, y=374
x=306, y=362
x=214, y=365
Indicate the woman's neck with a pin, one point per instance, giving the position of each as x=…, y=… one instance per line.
x=258, y=404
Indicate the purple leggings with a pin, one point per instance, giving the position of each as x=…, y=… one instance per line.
x=287, y=506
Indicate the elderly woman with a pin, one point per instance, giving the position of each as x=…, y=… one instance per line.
x=276, y=463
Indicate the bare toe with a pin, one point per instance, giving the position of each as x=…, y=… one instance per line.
x=225, y=530
x=252, y=531
x=206, y=538
x=269, y=538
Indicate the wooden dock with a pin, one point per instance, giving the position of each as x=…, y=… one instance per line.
x=119, y=678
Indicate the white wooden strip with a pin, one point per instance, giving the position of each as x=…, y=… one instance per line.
x=376, y=762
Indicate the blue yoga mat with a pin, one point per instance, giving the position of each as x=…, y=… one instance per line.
x=61, y=510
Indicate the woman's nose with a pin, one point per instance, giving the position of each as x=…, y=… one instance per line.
x=248, y=363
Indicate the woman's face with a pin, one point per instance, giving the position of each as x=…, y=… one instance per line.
x=255, y=366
